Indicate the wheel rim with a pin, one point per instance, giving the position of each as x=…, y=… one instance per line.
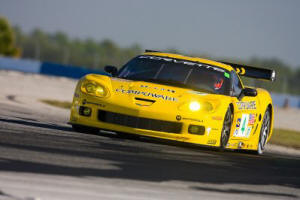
x=226, y=129
x=265, y=132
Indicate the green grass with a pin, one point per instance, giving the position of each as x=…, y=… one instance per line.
x=60, y=104
x=286, y=138
x=280, y=136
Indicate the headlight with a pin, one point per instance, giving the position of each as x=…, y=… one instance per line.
x=93, y=88
x=194, y=106
x=197, y=106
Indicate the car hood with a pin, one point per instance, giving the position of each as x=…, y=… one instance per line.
x=149, y=94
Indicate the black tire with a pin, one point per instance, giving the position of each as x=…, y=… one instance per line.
x=84, y=129
x=225, y=134
x=264, y=132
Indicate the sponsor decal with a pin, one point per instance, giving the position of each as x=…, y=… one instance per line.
x=218, y=84
x=157, y=88
x=183, y=62
x=238, y=122
x=240, y=71
x=251, y=119
x=219, y=118
x=208, y=130
x=242, y=130
x=244, y=121
x=227, y=75
x=191, y=119
x=246, y=105
x=147, y=94
x=144, y=86
x=248, y=131
x=211, y=141
x=235, y=132
x=232, y=145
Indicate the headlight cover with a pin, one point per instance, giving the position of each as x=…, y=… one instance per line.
x=197, y=106
x=93, y=88
x=194, y=106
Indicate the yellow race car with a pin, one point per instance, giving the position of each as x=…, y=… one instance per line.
x=176, y=97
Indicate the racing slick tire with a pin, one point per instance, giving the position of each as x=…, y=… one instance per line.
x=264, y=132
x=225, y=134
x=84, y=129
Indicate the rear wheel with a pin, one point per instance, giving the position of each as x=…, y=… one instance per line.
x=264, y=132
x=226, y=128
x=84, y=129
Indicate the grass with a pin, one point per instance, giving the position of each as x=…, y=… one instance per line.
x=60, y=104
x=280, y=136
x=286, y=138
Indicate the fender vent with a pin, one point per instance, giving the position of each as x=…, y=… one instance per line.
x=142, y=99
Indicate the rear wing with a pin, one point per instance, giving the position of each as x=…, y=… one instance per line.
x=253, y=72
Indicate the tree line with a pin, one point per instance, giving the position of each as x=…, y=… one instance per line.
x=58, y=47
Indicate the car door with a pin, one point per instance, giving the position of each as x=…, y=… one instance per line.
x=245, y=111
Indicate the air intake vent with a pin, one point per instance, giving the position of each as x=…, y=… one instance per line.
x=139, y=122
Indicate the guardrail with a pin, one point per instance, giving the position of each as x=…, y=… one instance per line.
x=47, y=68
x=54, y=69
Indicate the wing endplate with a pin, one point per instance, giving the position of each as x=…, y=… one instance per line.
x=253, y=72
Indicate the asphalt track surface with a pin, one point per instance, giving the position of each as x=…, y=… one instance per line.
x=42, y=158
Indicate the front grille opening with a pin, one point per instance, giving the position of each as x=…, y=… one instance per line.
x=85, y=111
x=196, y=130
x=139, y=122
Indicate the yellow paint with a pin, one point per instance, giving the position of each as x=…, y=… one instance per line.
x=211, y=108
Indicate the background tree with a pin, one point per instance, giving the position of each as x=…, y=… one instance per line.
x=7, y=40
x=58, y=47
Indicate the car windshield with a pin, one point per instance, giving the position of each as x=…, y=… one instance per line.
x=175, y=72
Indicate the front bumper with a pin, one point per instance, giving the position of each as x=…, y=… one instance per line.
x=159, y=123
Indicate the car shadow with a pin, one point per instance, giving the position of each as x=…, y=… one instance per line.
x=140, y=159
x=35, y=123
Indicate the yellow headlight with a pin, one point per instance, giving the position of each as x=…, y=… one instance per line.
x=90, y=88
x=93, y=88
x=194, y=106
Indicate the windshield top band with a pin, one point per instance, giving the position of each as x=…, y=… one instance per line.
x=182, y=62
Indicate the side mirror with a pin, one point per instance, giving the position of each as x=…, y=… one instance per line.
x=111, y=69
x=249, y=92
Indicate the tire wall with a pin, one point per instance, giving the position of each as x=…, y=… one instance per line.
x=46, y=68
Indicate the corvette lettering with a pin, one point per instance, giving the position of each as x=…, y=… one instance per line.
x=183, y=62
x=147, y=94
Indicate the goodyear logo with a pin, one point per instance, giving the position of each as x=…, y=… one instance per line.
x=148, y=94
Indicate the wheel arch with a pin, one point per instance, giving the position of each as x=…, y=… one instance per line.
x=231, y=107
x=271, y=109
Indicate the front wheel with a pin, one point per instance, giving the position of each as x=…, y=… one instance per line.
x=264, y=132
x=225, y=134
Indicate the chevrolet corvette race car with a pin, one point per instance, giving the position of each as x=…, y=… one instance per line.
x=176, y=97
